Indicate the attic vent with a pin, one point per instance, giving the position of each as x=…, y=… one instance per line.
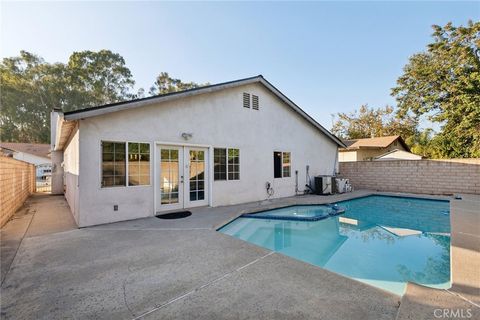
x=246, y=100
x=254, y=102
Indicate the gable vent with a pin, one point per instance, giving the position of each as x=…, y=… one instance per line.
x=254, y=102
x=246, y=100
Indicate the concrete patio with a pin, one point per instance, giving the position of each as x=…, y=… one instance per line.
x=156, y=269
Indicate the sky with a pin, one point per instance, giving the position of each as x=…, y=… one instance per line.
x=327, y=57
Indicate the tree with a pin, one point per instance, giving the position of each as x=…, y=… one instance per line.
x=30, y=88
x=370, y=122
x=98, y=78
x=443, y=83
x=166, y=84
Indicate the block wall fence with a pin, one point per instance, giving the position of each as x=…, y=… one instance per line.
x=442, y=177
x=17, y=182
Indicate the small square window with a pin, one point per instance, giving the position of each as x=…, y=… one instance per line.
x=281, y=164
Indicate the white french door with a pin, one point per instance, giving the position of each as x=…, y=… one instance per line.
x=182, y=177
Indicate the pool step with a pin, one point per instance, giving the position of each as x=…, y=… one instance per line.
x=421, y=302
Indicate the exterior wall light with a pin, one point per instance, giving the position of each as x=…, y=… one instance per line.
x=187, y=135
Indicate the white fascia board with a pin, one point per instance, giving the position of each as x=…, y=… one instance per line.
x=58, y=120
x=135, y=104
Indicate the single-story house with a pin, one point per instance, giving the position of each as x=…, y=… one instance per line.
x=369, y=148
x=221, y=144
x=398, y=155
x=37, y=154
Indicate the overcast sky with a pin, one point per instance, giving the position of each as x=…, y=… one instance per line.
x=327, y=57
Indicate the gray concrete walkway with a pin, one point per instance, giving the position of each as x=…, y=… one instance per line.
x=156, y=269
x=165, y=269
x=41, y=214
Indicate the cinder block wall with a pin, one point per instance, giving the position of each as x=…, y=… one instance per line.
x=17, y=182
x=415, y=176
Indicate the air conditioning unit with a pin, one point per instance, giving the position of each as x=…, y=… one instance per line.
x=324, y=185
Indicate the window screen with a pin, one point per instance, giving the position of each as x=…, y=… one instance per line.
x=113, y=164
x=138, y=164
x=281, y=164
x=233, y=164
x=226, y=164
x=286, y=164
x=219, y=164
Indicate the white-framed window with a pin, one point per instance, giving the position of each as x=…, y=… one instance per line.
x=226, y=164
x=113, y=164
x=138, y=164
x=125, y=164
x=281, y=164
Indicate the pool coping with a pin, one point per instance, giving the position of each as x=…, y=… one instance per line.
x=328, y=200
x=458, y=275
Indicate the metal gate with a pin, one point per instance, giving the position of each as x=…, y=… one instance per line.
x=43, y=178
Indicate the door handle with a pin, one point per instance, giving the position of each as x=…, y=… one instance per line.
x=181, y=179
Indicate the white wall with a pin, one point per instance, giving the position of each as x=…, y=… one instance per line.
x=400, y=155
x=345, y=156
x=71, y=173
x=57, y=172
x=30, y=158
x=218, y=119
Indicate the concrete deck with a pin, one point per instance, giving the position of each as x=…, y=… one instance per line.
x=155, y=269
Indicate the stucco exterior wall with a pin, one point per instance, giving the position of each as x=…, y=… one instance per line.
x=345, y=156
x=30, y=158
x=399, y=155
x=71, y=164
x=367, y=154
x=57, y=172
x=216, y=119
x=415, y=176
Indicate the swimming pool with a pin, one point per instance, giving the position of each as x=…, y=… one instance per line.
x=383, y=241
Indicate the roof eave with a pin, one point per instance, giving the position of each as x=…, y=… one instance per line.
x=285, y=99
x=88, y=113
x=93, y=112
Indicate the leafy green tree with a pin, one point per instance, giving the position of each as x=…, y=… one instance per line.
x=98, y=78
x=30, y=88
x=443, y=83
x=370, y=122
x=166, y=84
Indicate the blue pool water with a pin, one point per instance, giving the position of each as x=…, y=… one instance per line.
x=380, y=240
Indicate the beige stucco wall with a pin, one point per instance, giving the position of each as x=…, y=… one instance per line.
x=345, y=156
x=71, y=164
x=415, y=176
x=217, y=119
x=400, y=155
x=369, y=154
x=366, y=154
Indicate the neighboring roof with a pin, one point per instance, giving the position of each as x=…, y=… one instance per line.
x=37, y=149
x=373, y=143
x=113, y=107
x=389, y=155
